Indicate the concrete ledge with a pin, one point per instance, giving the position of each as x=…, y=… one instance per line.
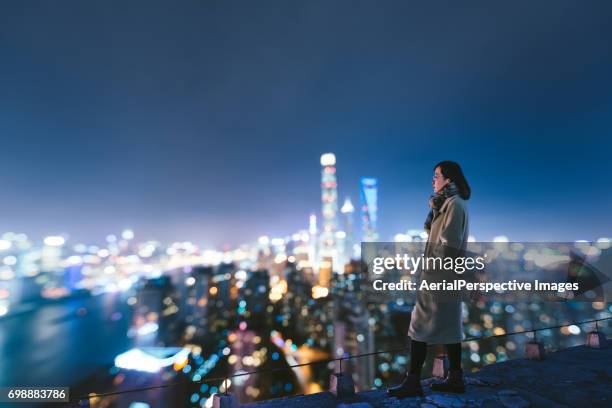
x=574, y=377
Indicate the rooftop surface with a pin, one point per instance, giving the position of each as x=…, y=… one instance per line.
x=574, y=377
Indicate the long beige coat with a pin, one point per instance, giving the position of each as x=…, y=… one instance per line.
x=434, y=321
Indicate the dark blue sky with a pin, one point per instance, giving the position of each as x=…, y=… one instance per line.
x=205, y=120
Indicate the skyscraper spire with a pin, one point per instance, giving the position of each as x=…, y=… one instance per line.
x=347, y=207
x=329, y=206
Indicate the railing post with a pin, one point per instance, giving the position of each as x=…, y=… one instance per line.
x=534, y=349
x=225, y=400
x=341, y=384
x=596, y=339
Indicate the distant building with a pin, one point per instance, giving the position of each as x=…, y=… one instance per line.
x=325, y=273
x=51, y=255
x=148, y=320
x=349, y=240
x=196, y=305
x=313, y=239
x=369, y=208
x=329, y=201
x=256, y=294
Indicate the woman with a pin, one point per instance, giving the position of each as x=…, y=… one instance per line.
x=437, y=320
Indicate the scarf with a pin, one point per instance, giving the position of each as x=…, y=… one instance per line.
x=436, y=201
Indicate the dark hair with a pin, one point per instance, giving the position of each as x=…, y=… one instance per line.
x=452, y=171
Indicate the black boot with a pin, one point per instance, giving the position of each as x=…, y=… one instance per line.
x=410, y=387
x=452, y=383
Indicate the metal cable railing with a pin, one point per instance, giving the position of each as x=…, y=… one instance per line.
x=224, y=379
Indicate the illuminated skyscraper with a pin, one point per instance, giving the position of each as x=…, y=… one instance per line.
x=348, y=210
x=369, y=208
x=312, y=242
x=329, y=201
x=51, y=255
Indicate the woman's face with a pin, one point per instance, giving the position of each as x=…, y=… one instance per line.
x=439, y=181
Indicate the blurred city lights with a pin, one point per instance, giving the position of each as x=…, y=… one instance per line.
x=54, y=240
x=150, y=360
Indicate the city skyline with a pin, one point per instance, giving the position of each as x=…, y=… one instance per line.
x=100, y=237
x=212, y=132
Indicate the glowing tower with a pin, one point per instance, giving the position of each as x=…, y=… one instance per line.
x=369, y=208
x=329, y=201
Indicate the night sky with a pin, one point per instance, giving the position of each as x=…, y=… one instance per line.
x=205, y=120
